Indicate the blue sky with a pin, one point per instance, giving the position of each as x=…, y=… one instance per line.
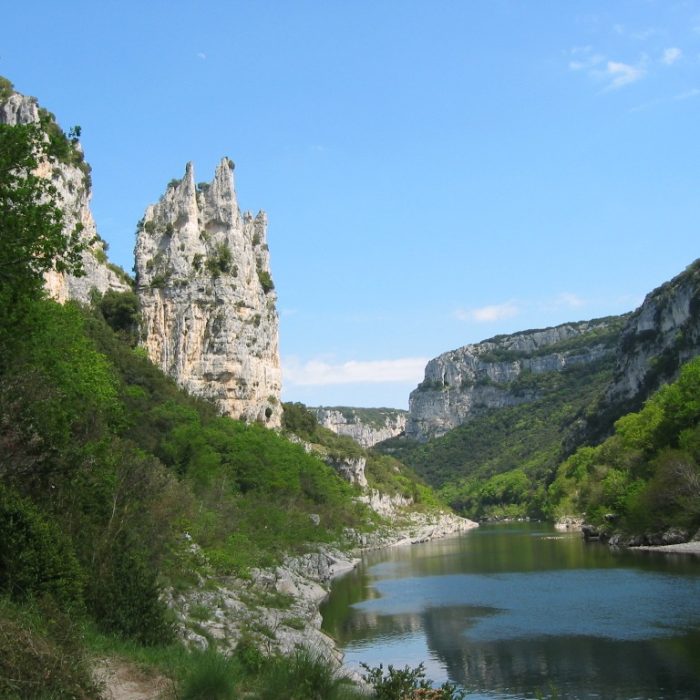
x=434, y=173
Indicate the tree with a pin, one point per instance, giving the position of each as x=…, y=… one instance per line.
x=32, y=235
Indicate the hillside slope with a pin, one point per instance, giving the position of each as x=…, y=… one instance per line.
x=491, y=421
x=518, y=397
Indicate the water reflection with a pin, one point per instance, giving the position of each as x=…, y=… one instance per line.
x=513, y=611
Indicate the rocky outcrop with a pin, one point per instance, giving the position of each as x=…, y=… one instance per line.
x=656, y=340
x=207, y=299
x=662, y=334
x=73, y=188
x=464, y=383
x=278, y=607
x=352, y=469
x=366, y=426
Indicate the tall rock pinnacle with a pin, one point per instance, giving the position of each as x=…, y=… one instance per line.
x=207, y=298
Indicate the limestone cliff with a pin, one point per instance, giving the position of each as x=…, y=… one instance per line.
x=207, y=299
x=662, y=334
x=366, y=426
x=464, y=383
x=71, y=178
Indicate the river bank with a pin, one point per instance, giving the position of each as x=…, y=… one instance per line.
x=278, y=609
x=681, y=548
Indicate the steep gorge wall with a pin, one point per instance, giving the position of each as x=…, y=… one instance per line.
x=464, y=383
x=72, y=183
x=367, y=426
x=658, y=338
x=647, y=347
x=207, y=299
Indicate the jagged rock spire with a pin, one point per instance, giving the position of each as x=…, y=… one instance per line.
x=207, y=298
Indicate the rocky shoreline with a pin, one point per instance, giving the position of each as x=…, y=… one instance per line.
x=278, y=609
x=673, y=540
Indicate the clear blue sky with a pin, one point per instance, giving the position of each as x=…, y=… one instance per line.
x=434, y=173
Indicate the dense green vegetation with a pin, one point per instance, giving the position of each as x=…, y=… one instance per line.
x=384, y=473
x=108, y=471
x=109, y=474
x=105, y=459
x=498, y=464
x=646, y=477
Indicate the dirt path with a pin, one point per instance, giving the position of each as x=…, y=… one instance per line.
x=126, y=681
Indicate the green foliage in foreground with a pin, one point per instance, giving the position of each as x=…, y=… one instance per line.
x=105, y=465
x=208, y=675
x=396, y=684
x=32, y=239
x=497, y=465
x=42, y=654
x=646, y=477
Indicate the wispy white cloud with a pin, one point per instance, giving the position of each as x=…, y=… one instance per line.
x=321, y=372
x=488, y=314
x=620, y=74
x=644, y=34
x=509, y=309
x=671, y=55
x=573, y=301
x=615, y=74
x=202, y=55
x=584, y=58
x=688, y=94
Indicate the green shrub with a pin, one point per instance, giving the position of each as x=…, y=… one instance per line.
x=220, y=261
x=121, y=311
x=302, y=676
x=210, y=676
x=6, y=88
x=42, y=655
x=400, y=684
x=36, y=557
x=124, y=597
x=265, y=281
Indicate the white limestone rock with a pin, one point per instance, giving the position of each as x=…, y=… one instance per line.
x=366, y=426
x=352, y=469
x=463, y=383
x=208, y=310
x=74, y=191
x=661, y=335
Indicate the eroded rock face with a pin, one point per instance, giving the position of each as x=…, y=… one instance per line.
x=366, y=426
x=352, y=469
x=463, y=383
x=662, y=334
x=72, y=184
x=207, y=300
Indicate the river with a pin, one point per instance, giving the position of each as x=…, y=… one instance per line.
x=521, y=611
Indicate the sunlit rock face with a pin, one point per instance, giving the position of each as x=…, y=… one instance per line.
x=366, y=426
x=207, y=300
x=464, y=383
x=73, y=189
x=662, y=334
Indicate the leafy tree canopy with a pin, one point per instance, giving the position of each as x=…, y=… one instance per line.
x=32, y=235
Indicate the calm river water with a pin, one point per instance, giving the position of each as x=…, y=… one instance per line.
x=521, y=611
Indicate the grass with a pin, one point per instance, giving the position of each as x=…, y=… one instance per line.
x=211, y=675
